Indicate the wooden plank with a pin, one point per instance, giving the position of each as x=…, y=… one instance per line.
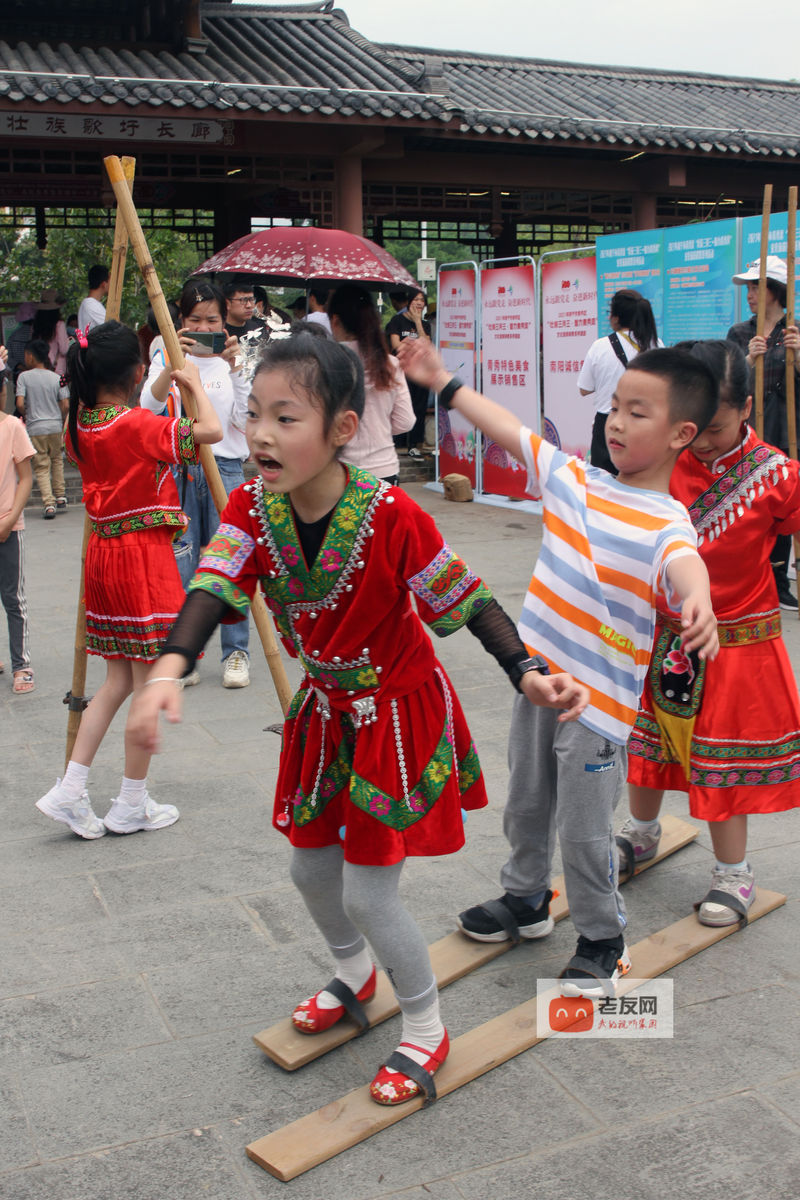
x=452, y=957
x=321, y=1135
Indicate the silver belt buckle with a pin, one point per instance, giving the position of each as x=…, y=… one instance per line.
x=365, y=711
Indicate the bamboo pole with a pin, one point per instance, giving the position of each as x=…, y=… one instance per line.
x=762, y=306
x=176, y=358
x=791, y=412
x=75, y=698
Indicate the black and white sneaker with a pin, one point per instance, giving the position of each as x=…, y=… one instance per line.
x=595, y=967
x=507, y=918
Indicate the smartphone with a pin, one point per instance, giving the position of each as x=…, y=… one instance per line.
x=207, y=343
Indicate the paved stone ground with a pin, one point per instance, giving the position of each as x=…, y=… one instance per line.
x=134, y=970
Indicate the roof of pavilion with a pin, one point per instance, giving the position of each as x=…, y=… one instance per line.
x=307, y=60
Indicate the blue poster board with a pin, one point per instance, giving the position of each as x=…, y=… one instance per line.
x=777, y=241
x=699, y=296
x=630, y=260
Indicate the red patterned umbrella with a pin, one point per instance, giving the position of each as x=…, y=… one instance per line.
x=303, y=254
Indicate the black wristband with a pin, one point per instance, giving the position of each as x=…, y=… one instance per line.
x=518, y=669
x=449, y=390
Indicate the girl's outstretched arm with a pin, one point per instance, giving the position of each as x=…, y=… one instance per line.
x=207, y=427
x=422, y=363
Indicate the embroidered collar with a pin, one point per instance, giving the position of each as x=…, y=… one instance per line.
x=293, y=582
x=750, y=473
x=104, y=415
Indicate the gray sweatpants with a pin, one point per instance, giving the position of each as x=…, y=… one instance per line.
x=564, y=779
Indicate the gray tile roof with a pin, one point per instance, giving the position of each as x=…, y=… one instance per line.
x=268, y=58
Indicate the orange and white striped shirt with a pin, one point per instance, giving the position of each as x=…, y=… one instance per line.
x=590, y=606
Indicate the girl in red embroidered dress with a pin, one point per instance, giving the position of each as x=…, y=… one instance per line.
x=377, y=760
x=744, y=752
x=132, y=588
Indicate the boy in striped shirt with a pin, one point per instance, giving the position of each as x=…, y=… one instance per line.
x=610, y=545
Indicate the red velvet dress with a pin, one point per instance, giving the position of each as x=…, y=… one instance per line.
x=745, y=751
x=132, y=589
x=376, y=749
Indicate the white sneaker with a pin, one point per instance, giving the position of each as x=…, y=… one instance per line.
x=121, y=818
x=192, y=679
x=740, y=885
x=237, y=670
x=75, y=812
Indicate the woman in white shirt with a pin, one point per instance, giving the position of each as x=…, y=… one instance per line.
x=387, y=407
x=203, y=310
x=634, y=326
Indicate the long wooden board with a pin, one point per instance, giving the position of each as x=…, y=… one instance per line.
x=321, y=1135
x=452, y=957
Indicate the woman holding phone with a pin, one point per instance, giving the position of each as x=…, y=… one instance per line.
x=205, y=342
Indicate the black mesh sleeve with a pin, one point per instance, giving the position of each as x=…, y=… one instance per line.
x=498, y=635
x=194, y=625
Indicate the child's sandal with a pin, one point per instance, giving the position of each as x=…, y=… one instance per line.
x=308, y=1017
x=410, y=1077
x=23, y=681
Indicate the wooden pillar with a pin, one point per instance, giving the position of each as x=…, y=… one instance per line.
x=644, y=210
x=231, y=220
x=349, y=200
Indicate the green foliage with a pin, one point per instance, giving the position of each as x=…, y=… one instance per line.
x=407, y=253
x=25, y=269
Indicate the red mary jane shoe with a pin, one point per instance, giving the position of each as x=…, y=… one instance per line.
x=308, y=1017
x=410, y=1078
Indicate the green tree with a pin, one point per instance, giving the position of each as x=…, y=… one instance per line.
x=64, y=264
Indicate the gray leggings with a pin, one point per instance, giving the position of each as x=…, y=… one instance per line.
x=352, y=905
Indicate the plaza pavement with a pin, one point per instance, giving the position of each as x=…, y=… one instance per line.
x=134, y=970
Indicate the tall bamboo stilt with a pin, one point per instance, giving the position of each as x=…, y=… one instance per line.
x=75, y=698
x=175, y=354
x=762, y=306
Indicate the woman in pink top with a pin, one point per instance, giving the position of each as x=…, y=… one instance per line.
x=387, y=408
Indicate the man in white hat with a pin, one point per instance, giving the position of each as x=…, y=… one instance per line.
x=772, y=346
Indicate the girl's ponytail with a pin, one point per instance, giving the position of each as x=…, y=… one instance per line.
x=106, y=359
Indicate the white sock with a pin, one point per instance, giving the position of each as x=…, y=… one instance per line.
x=424, y=1029
x=354, y=971
x=740, y=866
x=643, y=826
x=132, y=792
x=75, y=779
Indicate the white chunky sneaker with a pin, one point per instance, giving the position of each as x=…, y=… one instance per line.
x=192, y=679
x=121, y=818
x=237, y=670
x=740, y=885
x=75, y=812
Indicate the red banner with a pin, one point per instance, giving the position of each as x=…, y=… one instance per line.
x=455, y=313
x=508, y=345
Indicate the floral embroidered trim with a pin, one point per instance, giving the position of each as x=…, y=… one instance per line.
x=723, y=764
x=233, y=596
x=350, y=677
x=456, y=618
x=139, y=638
x=104, y=415
x=137, y=523
x=444, y=581
x=187, y=450
x=747, y=632
x=676, y=677
x=726, y=498
x=228, y=551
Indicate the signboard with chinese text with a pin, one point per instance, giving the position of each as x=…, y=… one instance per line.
x=630, y=260
x=777, y=244
x=455, y=339
x=509, y=335
x=699, y=299
x=569, y=327
x=93, y=128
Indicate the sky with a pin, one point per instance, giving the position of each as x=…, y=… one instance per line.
x=723, y=37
